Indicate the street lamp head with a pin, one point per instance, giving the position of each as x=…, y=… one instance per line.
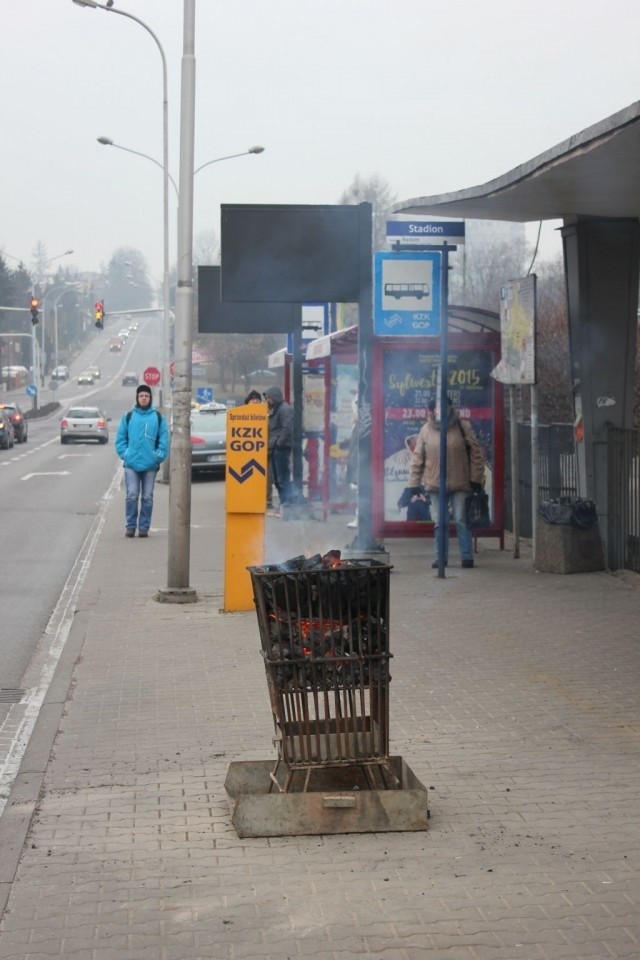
x=86, y=3
x=255, y=150
x=105, y=141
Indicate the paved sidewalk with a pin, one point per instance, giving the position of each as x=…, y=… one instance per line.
x=514, y=698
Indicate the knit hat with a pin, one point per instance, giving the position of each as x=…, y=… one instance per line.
x=253, y=395
x=143, y=388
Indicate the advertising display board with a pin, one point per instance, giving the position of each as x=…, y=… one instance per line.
x=408, y=378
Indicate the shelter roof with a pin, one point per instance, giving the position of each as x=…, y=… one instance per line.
x=594, y=173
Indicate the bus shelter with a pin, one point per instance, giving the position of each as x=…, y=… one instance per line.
x=404, y=381
x=330, y=391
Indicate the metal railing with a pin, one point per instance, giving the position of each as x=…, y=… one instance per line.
x=623, y=499
x=557, y=473
x=558, y=478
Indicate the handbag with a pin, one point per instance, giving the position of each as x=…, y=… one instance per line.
x=477, y=510
x=477, y=503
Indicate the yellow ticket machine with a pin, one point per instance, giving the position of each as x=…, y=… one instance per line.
x=246, y=501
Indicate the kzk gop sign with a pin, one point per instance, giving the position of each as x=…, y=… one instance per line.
x=247, y=452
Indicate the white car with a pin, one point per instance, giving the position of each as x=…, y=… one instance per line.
x=84, y=423
x=60, y=372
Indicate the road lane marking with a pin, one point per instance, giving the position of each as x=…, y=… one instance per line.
x=18, y=725
x=47, y=473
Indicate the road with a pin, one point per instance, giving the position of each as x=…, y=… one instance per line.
x=51, y=495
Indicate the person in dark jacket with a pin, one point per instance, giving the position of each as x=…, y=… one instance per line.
x=280, y=442
x=465, y=469
x=142, y=443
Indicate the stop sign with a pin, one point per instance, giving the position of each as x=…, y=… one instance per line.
x=151, y=376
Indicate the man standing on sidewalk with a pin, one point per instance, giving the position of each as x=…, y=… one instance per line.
x=280, y=442
x=465, y=471
x=142, y=443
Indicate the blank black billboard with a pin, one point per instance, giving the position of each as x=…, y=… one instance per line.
x=216, y=316
x=290, y=254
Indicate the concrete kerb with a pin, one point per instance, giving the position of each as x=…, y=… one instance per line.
x=27, y=787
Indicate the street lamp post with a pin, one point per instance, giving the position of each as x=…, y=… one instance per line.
x=70, y=288
x=36, y=359
x=165, y=177
x=108, y=142
x=42, y=356
x=45, y=297
x=180, y=486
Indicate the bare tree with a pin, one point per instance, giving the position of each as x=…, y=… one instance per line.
x=129, y=285
x=206, y=248
x=234, y=356
x=492, y=253
x=552, y=345
x=376, y=191
x=40, y=260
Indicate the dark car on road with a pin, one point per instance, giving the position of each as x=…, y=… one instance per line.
x=130, y=379
x=18, y=421
x=6, y=431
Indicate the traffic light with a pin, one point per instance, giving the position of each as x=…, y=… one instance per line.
x=35, y=303
x=99, y=314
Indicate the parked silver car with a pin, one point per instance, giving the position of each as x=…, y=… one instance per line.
x=84, y=423
x=208, y=441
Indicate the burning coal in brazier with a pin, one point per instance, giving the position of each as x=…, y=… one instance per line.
x=324, y=630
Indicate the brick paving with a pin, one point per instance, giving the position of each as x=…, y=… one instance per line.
x=514, y=698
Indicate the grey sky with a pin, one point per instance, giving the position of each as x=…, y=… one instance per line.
x=432, y=96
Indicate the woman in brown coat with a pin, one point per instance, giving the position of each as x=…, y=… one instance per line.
x=465, y=470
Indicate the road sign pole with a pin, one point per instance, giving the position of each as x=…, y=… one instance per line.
x=34, y=365
x=443, y=506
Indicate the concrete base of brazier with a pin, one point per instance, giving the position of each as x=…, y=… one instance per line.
x=333, y=803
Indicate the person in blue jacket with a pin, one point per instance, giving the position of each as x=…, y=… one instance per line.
x=142, y=443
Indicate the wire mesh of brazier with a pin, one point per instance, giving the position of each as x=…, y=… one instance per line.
x=324, y=630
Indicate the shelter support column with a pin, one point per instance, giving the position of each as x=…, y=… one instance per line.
x=602, y=258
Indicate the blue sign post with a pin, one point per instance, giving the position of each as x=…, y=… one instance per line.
x=31, y=390
x=407, y=294
x=204, y=394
